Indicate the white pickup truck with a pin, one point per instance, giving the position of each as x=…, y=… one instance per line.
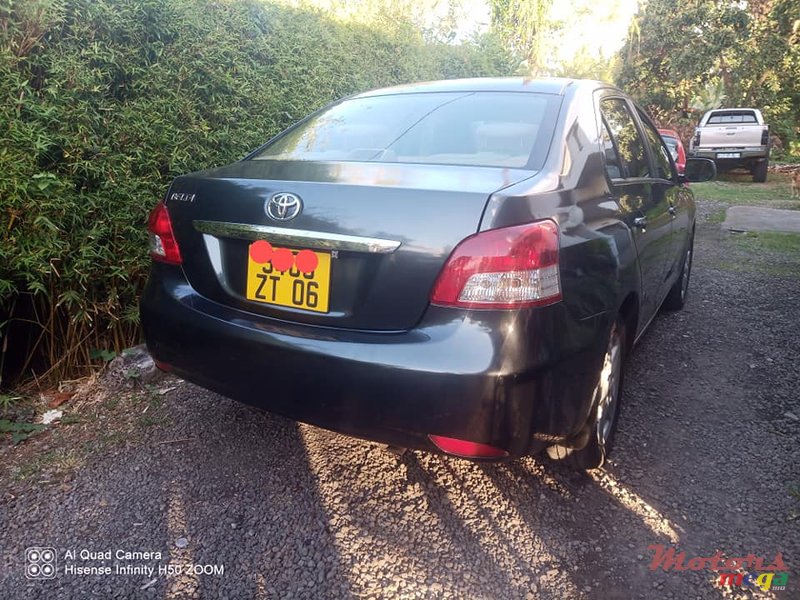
x=733, y=138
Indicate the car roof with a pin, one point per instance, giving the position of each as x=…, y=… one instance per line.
x=555, y=85
x=670, y=132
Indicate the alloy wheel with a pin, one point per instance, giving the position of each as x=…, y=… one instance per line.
x=608, y=388
x=687, y=270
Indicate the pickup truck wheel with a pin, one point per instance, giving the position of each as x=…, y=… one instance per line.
x=760, y=171
x=605, y=409
x=676, y=298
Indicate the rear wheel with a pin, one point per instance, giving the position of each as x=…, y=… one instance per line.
x=676, y=298
x=760, y=171
x=605, y=409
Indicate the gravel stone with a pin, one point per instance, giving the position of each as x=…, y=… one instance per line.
x=701, y=434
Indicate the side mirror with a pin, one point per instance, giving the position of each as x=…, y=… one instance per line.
x=698, y=170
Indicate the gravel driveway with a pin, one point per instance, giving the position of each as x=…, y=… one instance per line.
x=706, y=460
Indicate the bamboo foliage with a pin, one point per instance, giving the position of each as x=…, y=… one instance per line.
x=102, y=102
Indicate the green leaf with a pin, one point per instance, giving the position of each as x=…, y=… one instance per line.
x=19, y=431
x=102, y=354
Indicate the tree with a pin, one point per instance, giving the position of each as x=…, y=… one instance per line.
x=681, y=56
x=521, y=25
x=678, y=48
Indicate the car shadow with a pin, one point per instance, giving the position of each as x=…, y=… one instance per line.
x=286, y=508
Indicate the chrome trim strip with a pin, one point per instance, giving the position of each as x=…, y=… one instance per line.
x=297, y=237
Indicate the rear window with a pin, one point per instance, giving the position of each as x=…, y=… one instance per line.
x=672, y=145
x=500, y=129
x=745, y=116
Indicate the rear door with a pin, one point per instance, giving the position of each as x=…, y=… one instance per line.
x=667, y=190
x=644, y=208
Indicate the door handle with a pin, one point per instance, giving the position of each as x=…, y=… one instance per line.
x=673, y=211
x=640, y=222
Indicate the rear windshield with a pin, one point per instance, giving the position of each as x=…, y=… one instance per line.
x=745, y=116
x=672, y=145
x=500, y=129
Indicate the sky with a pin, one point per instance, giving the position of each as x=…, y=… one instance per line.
x=600, y=25
x=596, y=27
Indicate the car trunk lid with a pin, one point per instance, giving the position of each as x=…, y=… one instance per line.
x=386, y=228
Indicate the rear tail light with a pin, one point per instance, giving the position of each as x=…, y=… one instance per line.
x=162, y=366
x=696, y=141
x=466, y=449
x=163, y=245
x=511, y=267
x=765, y=136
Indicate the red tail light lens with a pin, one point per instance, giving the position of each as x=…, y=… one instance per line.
x=162, y=366
x=163, y=245
x=511, y=267
x=466, y=449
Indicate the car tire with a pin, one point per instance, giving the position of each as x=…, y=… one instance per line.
x=676, y=298
x=760, y=171
x=602, y=424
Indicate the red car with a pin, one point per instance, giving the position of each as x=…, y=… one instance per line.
x=675, y=146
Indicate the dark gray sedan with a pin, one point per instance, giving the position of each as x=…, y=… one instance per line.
x=458, y=266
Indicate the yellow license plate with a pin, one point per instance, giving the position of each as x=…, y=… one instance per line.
x=287, y=277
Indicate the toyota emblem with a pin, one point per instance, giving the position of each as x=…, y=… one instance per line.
x=283, y=206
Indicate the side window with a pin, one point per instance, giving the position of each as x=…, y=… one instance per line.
x=660, y=152
x=613, y=163
x=626, y=138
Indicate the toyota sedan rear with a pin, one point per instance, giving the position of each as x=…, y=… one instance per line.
x=455, y=266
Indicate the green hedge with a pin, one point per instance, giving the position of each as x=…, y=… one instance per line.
x=102, y=102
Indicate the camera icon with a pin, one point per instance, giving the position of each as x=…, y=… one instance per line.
x=40, y=562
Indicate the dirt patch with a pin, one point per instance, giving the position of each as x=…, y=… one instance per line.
x=114, y=407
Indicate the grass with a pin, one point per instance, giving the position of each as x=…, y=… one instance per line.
x=153, y=413
x=717, y=217
x=118, y=419
x=19, y=431
x=8, y=401
x=113, y=422
x=71, y=419
x=787, y=244
x=795, y=491
x=763, y=251
x=59, y=462
x=736, y=188
x=767, y=252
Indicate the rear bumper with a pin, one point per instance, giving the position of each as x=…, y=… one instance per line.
x=517, y=381
x=747, y=156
